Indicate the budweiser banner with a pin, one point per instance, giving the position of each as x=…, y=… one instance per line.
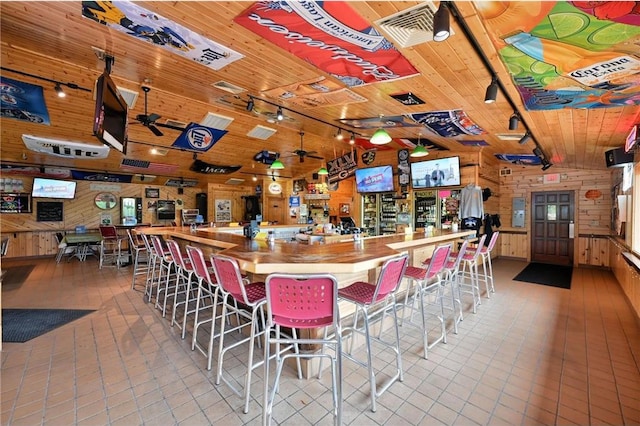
x=331, y=36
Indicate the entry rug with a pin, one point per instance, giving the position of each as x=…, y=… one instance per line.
x=22, y=325
x=546, y=274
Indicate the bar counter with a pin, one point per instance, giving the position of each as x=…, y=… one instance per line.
x=260, y=257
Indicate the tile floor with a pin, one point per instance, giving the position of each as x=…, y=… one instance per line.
x=531, y=355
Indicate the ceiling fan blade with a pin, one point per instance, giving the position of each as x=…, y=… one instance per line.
x=155, y=130
x=153, y=117
x=169, y=126
x=316, y=157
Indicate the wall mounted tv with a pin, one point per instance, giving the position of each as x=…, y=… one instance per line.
x=435, y=173
x=110, y=117
x=53, y=188
x=374, y=179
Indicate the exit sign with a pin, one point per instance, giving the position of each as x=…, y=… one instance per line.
x=552, y=178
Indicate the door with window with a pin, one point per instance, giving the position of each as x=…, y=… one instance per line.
x=552, y=227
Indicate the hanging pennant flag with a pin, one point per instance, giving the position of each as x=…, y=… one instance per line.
x=196, y=137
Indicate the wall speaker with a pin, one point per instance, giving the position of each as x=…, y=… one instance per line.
x=617, y=157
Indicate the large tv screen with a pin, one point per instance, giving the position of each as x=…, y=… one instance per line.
x=374, y=179
x=435, y=173
x=53, y=188
x=110, y=117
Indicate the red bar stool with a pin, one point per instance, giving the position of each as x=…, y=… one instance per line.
x=152, y=267
x=206, y=303
x=468, y=279
x=185, y=292
x=166, y=278
x=487, y=267
x=110, y=246
x=373, y=302
x=428, y=285
x=246, y=301
x=140, y=257
x=302, y=302
x=452, y=272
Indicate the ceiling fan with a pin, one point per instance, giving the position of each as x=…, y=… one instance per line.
x=301, y=153
x=150, y=120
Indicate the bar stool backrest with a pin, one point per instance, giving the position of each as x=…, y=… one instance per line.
x=157, y=246
x=108, y=232
x=229, y=278
x=390, y=276
x=199, y=264
x=478, y=249
x=177, y=257
x=302, y=301
x=461, y=251
x=493, y=240
x=438, y=260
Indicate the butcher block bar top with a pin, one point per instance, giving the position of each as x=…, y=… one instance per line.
x=261, y=257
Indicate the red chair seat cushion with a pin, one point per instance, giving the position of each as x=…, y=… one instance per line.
x=359, y=292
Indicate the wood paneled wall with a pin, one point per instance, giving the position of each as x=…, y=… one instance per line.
x=626, y=275
x=592, y=216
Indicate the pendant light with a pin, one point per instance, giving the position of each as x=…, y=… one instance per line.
x=419, y=150
x=277, y=165
x=323, y=171
x=380, y=137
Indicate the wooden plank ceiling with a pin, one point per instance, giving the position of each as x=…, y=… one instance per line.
x=54, y=41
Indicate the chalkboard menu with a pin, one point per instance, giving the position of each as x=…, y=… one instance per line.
x=49, y=211
x=15, y=203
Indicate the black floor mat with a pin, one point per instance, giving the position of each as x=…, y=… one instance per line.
x=546, y=274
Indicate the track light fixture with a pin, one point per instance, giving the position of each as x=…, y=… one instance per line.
x=419, y=150
x=254, y=178
x=546, y=164
x=280, y=115
x=277, y=165
x=339, y=135
x=352, y=139
x=514, y=121
x=538, y=152
x=492, y=91
x=441, y=28
x=250, y=104
x=525, y=138
x=59, y=91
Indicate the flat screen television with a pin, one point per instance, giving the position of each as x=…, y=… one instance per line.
x=111, y=114
x=374, y=179
x=632, y=138
x=435, y=173
x=53, y=188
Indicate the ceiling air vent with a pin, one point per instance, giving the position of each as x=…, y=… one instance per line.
x=411, y=26
x=505, y=172
x=174, y=123
x=509, y=136
x=216, y=121
x=234, y=181
x=129, y=96
x=228, y=87
x=261, y=132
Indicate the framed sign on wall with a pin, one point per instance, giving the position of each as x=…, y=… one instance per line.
x=152, y=192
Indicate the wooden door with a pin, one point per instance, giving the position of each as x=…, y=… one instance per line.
x=551, y=220
x=274, y=209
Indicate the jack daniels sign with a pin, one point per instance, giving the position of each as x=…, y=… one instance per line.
x=200, y=166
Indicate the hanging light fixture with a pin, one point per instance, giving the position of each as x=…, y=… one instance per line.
x=492, y=91
x=441, y=28
x=546, y=164
x=59, y=91
x=513, y=121
x=380, y=136
x=524, y=139
x=352, y=139
x=323, y=171
x=277, y=165
x=280, y=115
x=538, y=152
x=254, y=178
x=419, y=150
x=250, y=104
x=339, y=135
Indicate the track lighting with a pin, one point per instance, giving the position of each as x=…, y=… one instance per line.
x=339, y=135
x=524, y=139
x=254, y=178
x=492, y=91
x=352, y=139
x=419, y=150
x=441, y=28
x=280, y=115
x=277, y=165
x=323, y=171
x=59, y=91
x=538, y=152
x=546, y=164
x=250, y=104
x=513, y=121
